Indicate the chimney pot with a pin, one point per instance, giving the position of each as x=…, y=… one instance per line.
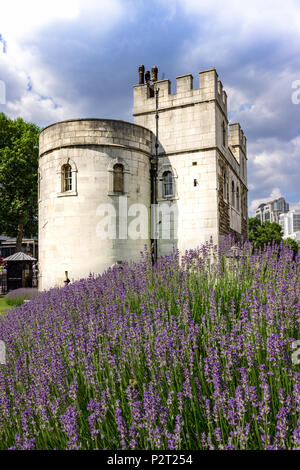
x=141, y=74
x=154, y=74
x=147, y=77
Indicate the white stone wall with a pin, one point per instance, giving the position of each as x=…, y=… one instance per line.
x=196, y=205
x=68, y=222
x=188, y=143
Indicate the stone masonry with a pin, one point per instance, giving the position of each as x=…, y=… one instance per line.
x=205, y=154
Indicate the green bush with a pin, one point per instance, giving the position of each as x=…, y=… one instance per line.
x=16, y=301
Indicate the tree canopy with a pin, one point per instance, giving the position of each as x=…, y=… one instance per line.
x=261, y=234
x=18, y=178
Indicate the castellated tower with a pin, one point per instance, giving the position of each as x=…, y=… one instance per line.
x=200, y=153
x=90, y=170
x=180, y=156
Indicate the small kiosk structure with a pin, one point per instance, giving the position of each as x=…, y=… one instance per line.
x=20, y=270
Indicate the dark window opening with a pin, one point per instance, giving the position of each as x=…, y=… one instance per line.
x=118, y=178
x=232, y=194
x=66, y=178
x=167, y=184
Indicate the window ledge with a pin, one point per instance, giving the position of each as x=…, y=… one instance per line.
x=67, y=193
x=167, y=198
x=112, y=193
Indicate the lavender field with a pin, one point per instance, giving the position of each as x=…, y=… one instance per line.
x=187, y=356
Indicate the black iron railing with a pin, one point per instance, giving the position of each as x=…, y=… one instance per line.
x=3, y=282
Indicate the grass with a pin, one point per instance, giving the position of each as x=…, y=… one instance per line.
x=4, y=305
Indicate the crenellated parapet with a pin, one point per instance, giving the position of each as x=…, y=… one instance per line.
x=210, y=89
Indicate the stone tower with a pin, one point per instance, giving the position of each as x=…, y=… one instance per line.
x=200, y=152
x=77, y=162
x=180, y=156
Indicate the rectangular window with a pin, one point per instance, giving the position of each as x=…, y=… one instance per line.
x=168, y=191
x=167, y=184
x=67, y=178
x=296, y=222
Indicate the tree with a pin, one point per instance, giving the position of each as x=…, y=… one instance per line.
x=18, y=178
x=260, y=234
x=253, y=224
x=292, y=244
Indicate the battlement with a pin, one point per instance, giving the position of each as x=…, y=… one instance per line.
x=210, y=89
x=236, y=137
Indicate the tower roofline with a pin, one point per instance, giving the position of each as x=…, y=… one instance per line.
x=93, y=119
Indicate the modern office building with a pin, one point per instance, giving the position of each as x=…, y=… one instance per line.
x=270, y=211
x=290, y=223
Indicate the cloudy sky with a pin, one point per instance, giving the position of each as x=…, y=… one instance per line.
x=63, y=59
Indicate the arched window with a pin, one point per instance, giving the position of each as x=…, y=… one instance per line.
x=66, y=174
x=232, y=195
x=238, y=198
x=118, y=183
x=224, y=133
x=167, y=184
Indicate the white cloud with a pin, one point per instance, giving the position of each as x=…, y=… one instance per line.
x=22, y=19
x=22, y=24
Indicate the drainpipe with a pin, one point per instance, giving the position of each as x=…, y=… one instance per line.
x=153, y=176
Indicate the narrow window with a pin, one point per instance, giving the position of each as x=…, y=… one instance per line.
x=167, y=184
x=238, y=198
x=66, y=178
x=232, y=194
x=224, y=134
x=224, y=185
x=118, y=178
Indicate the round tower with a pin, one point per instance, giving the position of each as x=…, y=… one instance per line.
x=92, y=173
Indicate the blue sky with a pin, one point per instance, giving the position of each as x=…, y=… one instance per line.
x=73, y=58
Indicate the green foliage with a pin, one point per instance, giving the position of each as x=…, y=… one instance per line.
x=18, y=176
x=3, y=305
x=17, y=301
x=262, y=234
x=253, y=224
x=268, y=233
x=292, y=244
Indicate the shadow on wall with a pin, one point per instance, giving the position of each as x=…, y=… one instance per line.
x=165, y=216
